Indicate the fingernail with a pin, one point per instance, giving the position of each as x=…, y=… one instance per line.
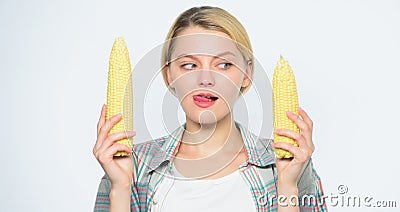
x=119, y=115
x=277, y=131
x=131, y=133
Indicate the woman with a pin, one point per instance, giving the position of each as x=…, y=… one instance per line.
x=211, y=162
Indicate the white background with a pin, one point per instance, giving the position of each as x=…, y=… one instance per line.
x=54, y=62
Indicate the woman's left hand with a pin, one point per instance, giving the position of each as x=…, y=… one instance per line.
x=290, y=169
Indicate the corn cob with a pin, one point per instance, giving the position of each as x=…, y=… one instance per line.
x=285, y=98
x=120, y=91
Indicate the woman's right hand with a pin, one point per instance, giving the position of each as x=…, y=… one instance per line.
x=118, y=169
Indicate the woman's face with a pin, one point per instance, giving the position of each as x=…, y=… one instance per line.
x=207, y=71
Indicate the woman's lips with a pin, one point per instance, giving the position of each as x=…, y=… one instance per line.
x=204, y=100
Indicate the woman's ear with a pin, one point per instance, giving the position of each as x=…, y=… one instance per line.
x=169, y=77
x=248, y=73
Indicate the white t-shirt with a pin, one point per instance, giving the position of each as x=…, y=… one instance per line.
x=229, y=193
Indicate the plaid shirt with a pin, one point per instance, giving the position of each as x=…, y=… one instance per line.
x=152, y=163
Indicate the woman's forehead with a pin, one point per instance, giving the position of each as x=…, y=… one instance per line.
x=204, y=44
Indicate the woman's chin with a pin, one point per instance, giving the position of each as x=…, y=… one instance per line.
x=208, y=118
x=207, y=122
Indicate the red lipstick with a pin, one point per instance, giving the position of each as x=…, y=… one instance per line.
x=204, y=100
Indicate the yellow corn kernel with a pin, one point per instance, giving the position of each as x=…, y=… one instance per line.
x=120, y=91
x=284, y=94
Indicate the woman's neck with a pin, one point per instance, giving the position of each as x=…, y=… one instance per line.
x=201, y=140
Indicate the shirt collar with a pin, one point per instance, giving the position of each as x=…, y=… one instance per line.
x=259, y=150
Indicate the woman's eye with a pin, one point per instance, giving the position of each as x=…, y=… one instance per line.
x=224, y=65
x=188, y=66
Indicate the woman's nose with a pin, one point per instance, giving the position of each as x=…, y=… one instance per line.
x=206, y=78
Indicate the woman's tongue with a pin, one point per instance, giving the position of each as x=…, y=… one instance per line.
x=202, y=99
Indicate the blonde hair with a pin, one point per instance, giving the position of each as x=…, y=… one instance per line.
x=211, y=18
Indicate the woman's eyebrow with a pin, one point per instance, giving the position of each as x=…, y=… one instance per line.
x=186, y=55
x=193, y=55
x=225, y=53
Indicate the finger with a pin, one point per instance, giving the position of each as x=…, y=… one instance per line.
x=288, y=147
x=107, y=156
x=297, y=152
x=310, y=124
x=105, y=129
x=301, y=141
x=112, y=138
x=304, y=128
x=306, y=118
x=102, y=118
x=297, y=120
x=100, y=123
x=117, y=147
x=299, y=138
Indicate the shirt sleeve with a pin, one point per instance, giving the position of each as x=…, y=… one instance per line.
x=102, y=203
x=311, y=195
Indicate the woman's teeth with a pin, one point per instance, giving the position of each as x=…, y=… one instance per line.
x=205, y=98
